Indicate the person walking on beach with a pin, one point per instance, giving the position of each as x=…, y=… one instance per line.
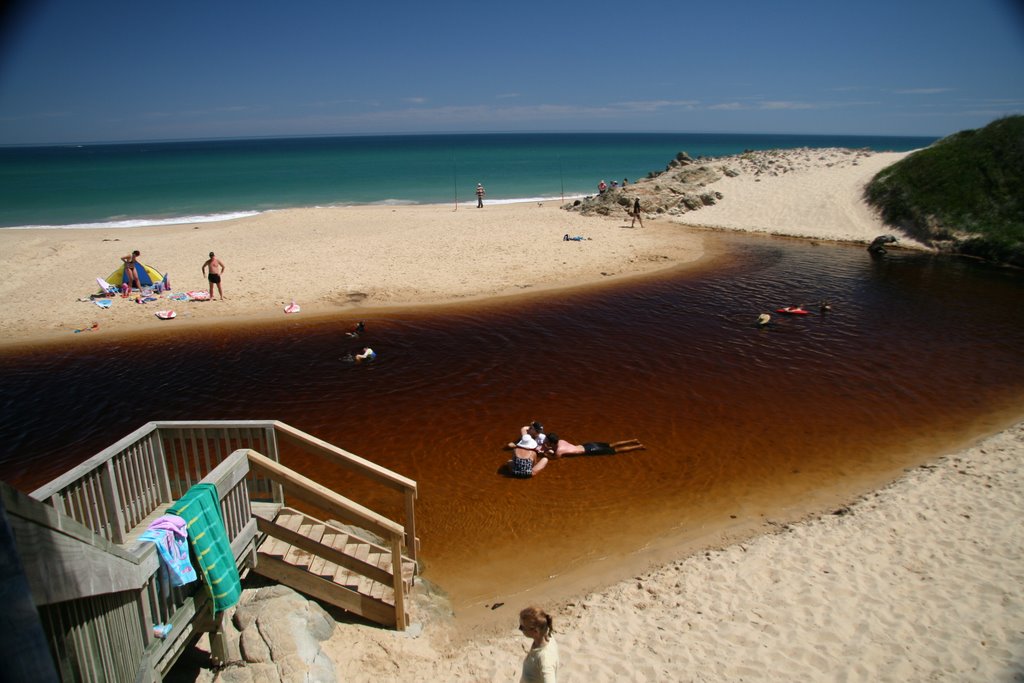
x=636, y=213
x=480, y=192
x=560, y=448
x=216, y=267
x=131, y=275
x=541, y=663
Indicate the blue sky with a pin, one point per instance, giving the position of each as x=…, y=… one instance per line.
x=110, y=70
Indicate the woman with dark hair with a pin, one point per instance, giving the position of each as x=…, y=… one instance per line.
x=131, y=275
x=636, y=213
x=541, y=663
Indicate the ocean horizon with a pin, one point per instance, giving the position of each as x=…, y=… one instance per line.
x=123, y=185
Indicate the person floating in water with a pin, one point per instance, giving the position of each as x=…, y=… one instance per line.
x=367, y=354
x=526, y=458
x=763, y=319
x=534, y=430
x=358, y=330
x=560, y=448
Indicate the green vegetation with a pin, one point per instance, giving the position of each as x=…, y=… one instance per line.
x=965, y=193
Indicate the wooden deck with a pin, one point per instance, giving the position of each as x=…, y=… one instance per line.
x=92, y=582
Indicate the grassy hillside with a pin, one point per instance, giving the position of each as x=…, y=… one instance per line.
x=965, y=193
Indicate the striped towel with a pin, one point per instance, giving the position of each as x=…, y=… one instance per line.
x=200, y=507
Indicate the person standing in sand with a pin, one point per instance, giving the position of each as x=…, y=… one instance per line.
x=216, y=268
x=541, y=663
x=480, y=192
x=636, y=213
x=131, y=275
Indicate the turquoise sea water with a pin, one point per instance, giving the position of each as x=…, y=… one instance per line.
x=180, y=182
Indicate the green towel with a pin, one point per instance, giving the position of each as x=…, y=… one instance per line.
x=200, y=508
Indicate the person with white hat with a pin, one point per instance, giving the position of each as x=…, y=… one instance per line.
x=480, y=196
x=526, y=461
x=534, y=429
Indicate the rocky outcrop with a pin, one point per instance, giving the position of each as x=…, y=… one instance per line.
x=275, y=635
x=684, y=184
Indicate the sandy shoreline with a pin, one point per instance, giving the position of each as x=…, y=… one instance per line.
x=339, y=261
x=330, y=261
x=921, y=581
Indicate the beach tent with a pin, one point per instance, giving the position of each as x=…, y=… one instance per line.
x=147, y=276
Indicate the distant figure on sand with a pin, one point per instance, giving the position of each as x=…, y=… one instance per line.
x=480, y=192
x=560, y=448
x=636, y=213
x=216, y=268
x=541, y=663
x=131, y=275
x=526, y=460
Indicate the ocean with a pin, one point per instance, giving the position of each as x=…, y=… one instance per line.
x=143, y=183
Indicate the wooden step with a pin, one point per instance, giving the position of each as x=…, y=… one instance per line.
x=326, y=562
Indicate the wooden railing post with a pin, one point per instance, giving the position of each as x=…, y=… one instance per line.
x=272, y=453
x=111, y=501
x=398, y=582
x=411, y=542
x=160, y=465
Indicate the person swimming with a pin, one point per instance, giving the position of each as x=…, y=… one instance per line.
x=357, y=331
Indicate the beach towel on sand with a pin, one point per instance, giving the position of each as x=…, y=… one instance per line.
x=200, y=507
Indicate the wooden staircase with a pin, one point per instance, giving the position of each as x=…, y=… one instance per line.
x=332, y=564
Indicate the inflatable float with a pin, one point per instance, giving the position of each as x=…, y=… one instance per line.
x=793, y=310
x=292, y=308
x=166, y=315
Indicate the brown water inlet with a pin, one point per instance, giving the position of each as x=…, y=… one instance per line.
x=742, y=423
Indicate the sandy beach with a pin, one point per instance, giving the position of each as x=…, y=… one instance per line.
x=341, y=260
x=329, y=261
x=923, y=580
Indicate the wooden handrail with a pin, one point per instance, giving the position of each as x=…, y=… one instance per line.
x=65, y=560
x=307, y=490
x=342, y=457
x=71, y=476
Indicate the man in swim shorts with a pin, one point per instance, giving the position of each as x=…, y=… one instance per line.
x=560, y=448
x=216, y=267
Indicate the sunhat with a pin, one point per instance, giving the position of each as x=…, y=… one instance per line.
x=527, y=442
